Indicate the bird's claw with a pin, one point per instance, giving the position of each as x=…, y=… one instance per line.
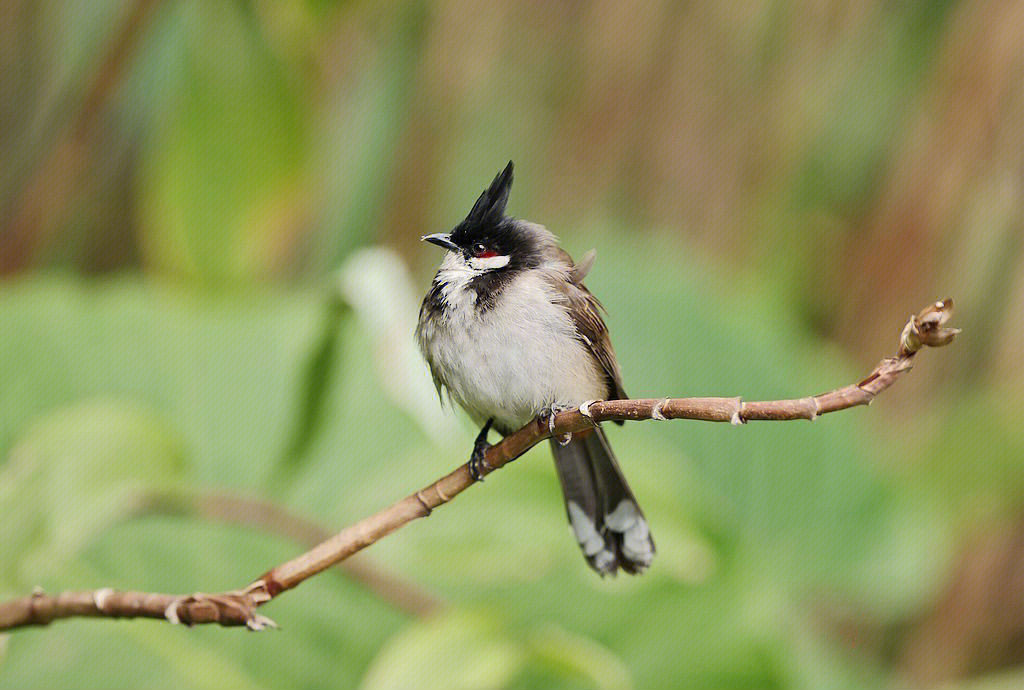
x=548, y=415
x=478, y=466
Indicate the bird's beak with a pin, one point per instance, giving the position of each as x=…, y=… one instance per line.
x=441, y=239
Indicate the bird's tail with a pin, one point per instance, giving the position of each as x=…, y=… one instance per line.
x=603, y=514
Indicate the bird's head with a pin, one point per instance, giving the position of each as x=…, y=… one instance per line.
x=488, y=240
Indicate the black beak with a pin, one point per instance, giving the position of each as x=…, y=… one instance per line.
x=442, y=239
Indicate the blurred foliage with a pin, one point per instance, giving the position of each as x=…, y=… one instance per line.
x=187, y=199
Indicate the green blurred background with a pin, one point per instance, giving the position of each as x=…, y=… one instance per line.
x=210, y=273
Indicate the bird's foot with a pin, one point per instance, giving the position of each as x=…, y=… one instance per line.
x=477, y=465
x=548, y=414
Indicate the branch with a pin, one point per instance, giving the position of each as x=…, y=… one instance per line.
x=927, y=328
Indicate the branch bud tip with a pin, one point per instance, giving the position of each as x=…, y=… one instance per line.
x=928, y=328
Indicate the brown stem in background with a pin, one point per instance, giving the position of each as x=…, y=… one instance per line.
x=60, y=164
x=927, y=328
x=273, y=519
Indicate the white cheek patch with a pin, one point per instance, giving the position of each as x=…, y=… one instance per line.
x=490, y=263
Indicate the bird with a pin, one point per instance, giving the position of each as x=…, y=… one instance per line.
x=510, y=332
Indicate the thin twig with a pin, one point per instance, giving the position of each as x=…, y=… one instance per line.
x=927, y=328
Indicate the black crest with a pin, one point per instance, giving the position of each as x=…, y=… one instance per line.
x=489, y=209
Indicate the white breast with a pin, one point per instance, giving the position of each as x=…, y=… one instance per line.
x=514, y=359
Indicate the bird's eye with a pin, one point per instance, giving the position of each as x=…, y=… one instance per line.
x=481, y=251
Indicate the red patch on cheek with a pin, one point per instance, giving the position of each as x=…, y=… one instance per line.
x=486, y=254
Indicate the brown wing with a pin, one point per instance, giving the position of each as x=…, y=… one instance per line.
x=585, y=311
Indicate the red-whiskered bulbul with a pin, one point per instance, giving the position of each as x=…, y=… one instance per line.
x=510, y=332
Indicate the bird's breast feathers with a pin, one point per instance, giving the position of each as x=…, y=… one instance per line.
x=512, y=359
